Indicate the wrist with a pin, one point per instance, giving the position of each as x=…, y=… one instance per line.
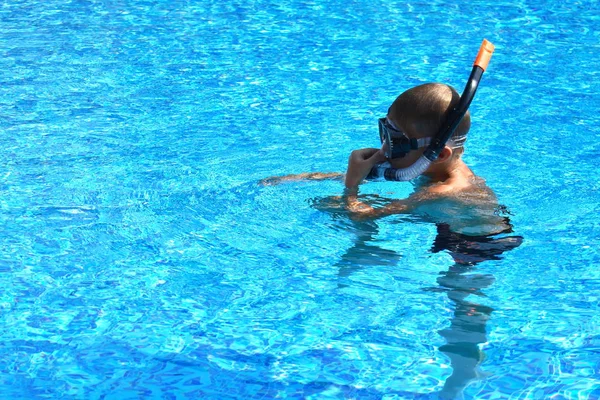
x=350, y=191
x=352, y=181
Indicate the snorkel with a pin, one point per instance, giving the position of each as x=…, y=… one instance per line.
x=454, y=117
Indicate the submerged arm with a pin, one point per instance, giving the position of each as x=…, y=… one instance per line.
x=359, y=164
x=307, y=176
x=359, y=210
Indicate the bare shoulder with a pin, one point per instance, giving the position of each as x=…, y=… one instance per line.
x=469, y=209
x=473, y=190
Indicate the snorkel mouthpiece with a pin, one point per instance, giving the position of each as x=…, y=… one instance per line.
x=454, y=117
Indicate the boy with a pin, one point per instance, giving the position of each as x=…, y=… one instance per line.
x=418, y=113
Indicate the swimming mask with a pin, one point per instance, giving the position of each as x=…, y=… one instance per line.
x=397, y=143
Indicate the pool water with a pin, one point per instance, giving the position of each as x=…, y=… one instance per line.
x=140, y=258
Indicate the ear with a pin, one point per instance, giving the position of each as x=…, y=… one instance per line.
x=445, y=154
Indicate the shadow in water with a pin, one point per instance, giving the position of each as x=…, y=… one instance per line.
x=462, y=283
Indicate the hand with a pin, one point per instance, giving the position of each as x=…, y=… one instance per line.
x=360, y=164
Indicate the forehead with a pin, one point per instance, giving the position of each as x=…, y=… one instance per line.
x=411, y=127
x=391, y=124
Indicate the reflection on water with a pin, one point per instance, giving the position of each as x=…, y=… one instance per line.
x=364, y=252
x=462, y=282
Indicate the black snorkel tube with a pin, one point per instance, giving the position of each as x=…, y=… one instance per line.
x=454, y=117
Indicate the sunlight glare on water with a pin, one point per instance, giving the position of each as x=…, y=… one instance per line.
x=140, y=258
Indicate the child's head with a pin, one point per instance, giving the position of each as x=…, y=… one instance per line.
x=420, y=112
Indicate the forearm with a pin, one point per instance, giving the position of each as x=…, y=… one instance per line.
x=359, y=210
x=354, y=176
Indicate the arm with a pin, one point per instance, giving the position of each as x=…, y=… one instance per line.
x=359, y=165
x=358, y=210
x=308, y=176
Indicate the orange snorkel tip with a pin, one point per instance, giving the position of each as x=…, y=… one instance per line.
x=485, y=54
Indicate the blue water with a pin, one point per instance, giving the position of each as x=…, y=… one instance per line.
x=139, y=258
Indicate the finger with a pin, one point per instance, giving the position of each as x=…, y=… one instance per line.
x=378, y=156
x=368, y=152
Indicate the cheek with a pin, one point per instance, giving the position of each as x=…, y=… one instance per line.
x=406, y=161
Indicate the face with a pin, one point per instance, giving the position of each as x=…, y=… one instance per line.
x=397, y=133
x=407, y=160
x=397, y=144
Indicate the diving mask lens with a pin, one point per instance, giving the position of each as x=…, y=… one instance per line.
x=397, y=143
x=383, y=133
